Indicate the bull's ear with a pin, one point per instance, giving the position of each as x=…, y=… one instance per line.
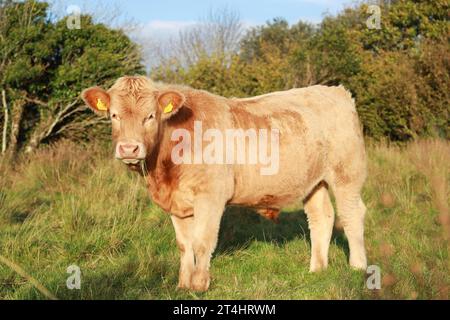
x=169, y=102
x=97, y=99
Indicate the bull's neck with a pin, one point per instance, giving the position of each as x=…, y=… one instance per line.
x=161, y=153
x=160, y=157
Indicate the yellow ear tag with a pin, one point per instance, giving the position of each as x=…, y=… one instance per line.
x=100, y=105
x=168, y=108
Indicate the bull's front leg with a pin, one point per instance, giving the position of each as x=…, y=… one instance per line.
x=208, y=212
x=184, y=230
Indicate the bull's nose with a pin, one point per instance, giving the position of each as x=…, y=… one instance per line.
x=129, y=150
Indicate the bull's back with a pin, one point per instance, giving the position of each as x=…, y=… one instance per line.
x=320, y=104
x=315, y=125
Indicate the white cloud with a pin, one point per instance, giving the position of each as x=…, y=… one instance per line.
x=326, y=3
x=162, y=29
x=168, y=25
x=332, y=6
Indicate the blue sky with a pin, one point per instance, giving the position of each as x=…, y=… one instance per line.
x=255, y=11
x=164, y=17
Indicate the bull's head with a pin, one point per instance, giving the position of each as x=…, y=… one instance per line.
x=137, y=116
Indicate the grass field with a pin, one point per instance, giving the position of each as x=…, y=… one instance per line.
x=71, y=204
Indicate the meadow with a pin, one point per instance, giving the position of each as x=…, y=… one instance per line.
x=72, y=204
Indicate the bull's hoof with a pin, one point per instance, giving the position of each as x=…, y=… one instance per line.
x=358, y=262
x=184, y=281
x=200, y=281
x=183, y=285
x=360, y=265
x=317, y=268
x=318, y=263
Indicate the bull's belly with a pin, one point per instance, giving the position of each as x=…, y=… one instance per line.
x=274, y=192
x=300, y=170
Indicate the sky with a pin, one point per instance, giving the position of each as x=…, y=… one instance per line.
x=162, y=18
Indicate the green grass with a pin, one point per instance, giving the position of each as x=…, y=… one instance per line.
x=64, y=206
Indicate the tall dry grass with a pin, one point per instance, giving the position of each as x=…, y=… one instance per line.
x=432, y=159
x=74, y=204
x=407, y=197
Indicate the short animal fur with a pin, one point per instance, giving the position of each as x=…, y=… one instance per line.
x=321, y=150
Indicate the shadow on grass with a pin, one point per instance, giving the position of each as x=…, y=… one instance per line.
x=241, y=226
x=19, y=216
x=120, y=283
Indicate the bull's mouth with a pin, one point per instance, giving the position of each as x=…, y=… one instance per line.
x=131, y=161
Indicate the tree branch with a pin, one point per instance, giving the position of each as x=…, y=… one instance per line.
x=35, y=101
x=5, y=121
x=58, y=119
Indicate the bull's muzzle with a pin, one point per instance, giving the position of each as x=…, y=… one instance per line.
x=130, y=152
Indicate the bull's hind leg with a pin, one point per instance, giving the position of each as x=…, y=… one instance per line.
x=183, y=230
x=351, y=211
x=320, y=213
x=208, y=212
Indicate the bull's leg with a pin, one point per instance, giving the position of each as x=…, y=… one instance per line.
x=351, y=211
x=183, y=229
x=320, y=213
x=207, y=215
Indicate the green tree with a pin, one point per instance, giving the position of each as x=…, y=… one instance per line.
x=46, y=67
x=23, y=51
x=398, y=74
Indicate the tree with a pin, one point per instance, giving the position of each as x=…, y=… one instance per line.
x=217, y=35
x=45, y=66
x=23, y=62
x=273, y=47
x=399, y=74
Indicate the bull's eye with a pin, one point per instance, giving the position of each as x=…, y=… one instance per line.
x=114, y=116
x=150, y=117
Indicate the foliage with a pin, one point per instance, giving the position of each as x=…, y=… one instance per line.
x=46, y=65
x=399, y=74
